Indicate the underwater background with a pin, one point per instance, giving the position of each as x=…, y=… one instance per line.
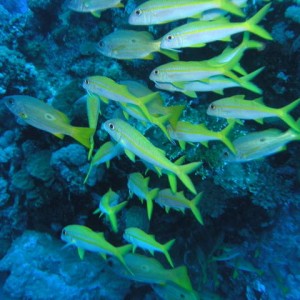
x=248, y=244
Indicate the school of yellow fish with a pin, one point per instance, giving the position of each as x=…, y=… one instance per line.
x=211, y=23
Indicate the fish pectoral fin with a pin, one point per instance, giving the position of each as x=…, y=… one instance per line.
x=149, y=56
x=59, y=135
x=130, y=155
x=199, y=45
x=96, y=13
x=80, y=253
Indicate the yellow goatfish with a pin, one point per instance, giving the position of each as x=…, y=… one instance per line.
x=134, y=143
x=109, y=206
x=237, y=107
x=45, y=117
x=149, y=270
x=163, y=11
x=199, y=33
x=199, y=133
x=177, y=201
x=108, y=89
x=132, y=44
x=95, y=7
x=138, y=185
x=260, y=144
x=85, y=239
x=140, y=239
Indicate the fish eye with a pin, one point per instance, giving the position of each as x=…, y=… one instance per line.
x=226, y=154
x=101, y=44
x=213, y=107
x=156, y=72
x=86, y=81
x=111, y=126
x=138, y=12
x=170, y=37
x=64, y=232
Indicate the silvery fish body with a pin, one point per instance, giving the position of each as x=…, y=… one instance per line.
x=91, y=5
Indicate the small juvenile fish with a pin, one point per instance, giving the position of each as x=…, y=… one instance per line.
x=149, y=270
x=139, y=186
x=45, y=117
x=140, y=239
x=199, y=33
x=109, y=205
x=132, y=44
x=135, y=143
x=177, y=201
x=163, y=11
x=260, y=144
x=95, y=7
x=199, y=133
x=237, y=107
x=85, y=239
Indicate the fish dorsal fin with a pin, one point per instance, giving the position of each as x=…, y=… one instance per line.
x=259, y=100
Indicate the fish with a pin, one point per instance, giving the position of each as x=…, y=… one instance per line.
x=171, y=291
x=177, y=201
x=140, y=239
x=85, y=239
x=216, y=84
x=199, y=133
x=108, y=89
x=259, y=144
x=104, y=154
x=223, y=64
x=109, y=205
x=138, y=185
x=199, y=33
x=149, y=270
x=155, y=12
x=132, y=44
x=45, y=117
x=237, y=107
x=136, y=144
x=95, y=7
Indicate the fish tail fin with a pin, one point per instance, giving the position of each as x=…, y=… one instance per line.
x=252, y=26
x=166, y=248
x=180, y=277
x=251, y=44
x=83, y=135
x=283, y=113
x=175, y=112
x=247, y=84
x=182, y=175
x=224, y=135
x=231, y=7
x=149, y=201
x=195, y=210
x=121, y=252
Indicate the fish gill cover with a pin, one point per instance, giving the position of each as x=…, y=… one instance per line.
x=162, y=135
